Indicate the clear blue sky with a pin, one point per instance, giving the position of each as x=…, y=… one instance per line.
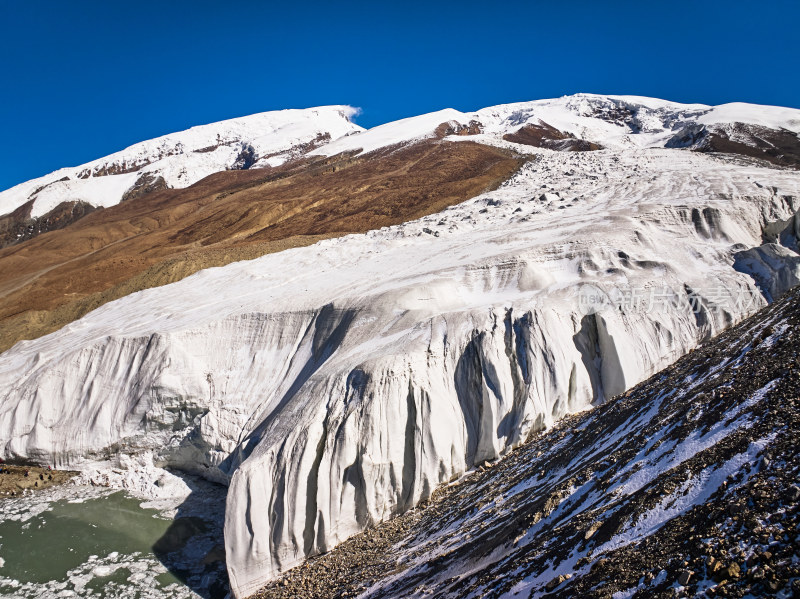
x=83, y=79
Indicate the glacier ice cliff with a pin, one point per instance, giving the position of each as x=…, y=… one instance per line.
x=335, y=385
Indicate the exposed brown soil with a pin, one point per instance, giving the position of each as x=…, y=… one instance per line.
x=779, y=147
x=547, y=136
x=163, y=236
x=14, y=480
x=453, y=128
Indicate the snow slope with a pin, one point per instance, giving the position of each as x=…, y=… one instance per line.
x=266, y=139
x=338, y=384
x=616, y=122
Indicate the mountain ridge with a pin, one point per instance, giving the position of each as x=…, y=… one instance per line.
x=336, y=122
x=185, y=157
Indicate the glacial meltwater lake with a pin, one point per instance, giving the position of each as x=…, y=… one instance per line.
x=85, y=542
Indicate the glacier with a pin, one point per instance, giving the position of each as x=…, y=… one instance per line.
x=335, y=385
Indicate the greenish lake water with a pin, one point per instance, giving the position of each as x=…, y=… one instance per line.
x=106, y=545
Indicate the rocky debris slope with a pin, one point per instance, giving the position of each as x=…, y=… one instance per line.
x=20, y=226
x=687, y=485
x=778, y=146
x=16, y=480
x=542, y=135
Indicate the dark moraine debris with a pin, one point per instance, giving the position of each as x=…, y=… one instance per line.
x=145, y=183
x=547, y=136
x=778, y=146
x=454, y=128
x=16, y=479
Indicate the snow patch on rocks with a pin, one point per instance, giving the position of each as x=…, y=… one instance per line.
x=184, y=158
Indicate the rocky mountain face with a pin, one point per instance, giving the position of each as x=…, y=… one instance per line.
x=173, y=161
x=19, y=226
x=474, y=279
x=687, y=484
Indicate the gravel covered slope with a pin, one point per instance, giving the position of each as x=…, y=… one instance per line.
x=684, y=486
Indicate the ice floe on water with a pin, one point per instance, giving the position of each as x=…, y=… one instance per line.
x=24, y=507
x=116, y=575
x=80, y=540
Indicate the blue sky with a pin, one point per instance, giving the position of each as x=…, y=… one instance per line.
x=82, y=79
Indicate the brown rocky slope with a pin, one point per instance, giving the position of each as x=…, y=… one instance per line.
x=163, y=236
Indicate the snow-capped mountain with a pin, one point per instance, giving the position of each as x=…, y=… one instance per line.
x=180, y=159
x=337, y=385
x=614, y=122
x=271, y=138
